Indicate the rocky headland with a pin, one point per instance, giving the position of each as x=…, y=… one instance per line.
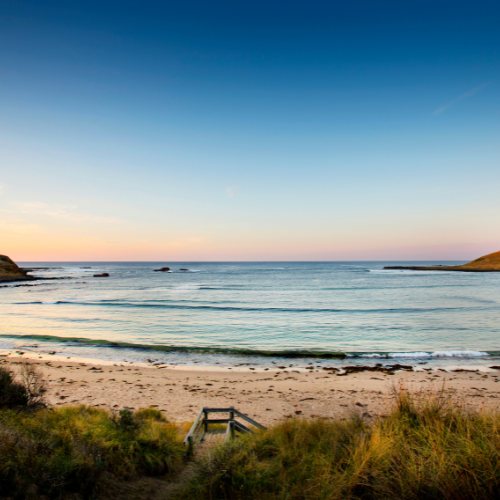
x=487, y=264
x=10, y=271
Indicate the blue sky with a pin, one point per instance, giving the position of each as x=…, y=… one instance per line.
x=249, y=130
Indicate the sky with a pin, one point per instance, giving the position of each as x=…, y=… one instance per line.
x=249, y=130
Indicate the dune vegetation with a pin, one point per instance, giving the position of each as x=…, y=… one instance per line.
x=74, y=451
x=426, y=448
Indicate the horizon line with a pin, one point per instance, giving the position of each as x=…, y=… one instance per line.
x=239, y=261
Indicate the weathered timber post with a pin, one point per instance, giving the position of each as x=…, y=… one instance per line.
x=190, y=448
x=231, y=421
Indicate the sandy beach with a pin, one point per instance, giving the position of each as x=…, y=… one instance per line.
x=266, y=395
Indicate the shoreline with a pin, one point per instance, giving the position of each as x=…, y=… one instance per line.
x=268, y=395
x=101, y=352
x=417, y=365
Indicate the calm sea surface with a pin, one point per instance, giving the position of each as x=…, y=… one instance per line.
x=230, y=313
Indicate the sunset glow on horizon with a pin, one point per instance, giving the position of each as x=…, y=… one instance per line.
x=224, y=132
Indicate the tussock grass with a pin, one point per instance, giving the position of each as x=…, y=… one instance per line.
x=426, y=448
x=69, y=452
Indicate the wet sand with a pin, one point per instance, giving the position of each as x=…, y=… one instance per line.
x=266, y=395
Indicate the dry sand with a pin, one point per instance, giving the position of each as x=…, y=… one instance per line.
x=266, y=395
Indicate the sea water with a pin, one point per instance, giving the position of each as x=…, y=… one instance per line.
x=235, y=313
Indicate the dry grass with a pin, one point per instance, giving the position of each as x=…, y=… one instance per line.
x=70, y=452
x=427, y=448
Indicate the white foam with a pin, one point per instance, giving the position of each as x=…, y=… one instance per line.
x=458, y=354
x=435, y=354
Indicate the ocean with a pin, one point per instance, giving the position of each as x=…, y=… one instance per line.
x=255, y=313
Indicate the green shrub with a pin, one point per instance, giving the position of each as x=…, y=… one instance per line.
x=27, y=393
x=427, y=448
x=12, y=393
x=126, y=421
x=72, y=450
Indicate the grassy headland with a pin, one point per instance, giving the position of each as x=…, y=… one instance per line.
x=487, y=264
x=10, y=271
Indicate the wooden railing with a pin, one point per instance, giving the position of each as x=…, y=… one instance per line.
x=201, y=425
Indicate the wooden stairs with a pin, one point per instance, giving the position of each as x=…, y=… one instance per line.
x=200, y=430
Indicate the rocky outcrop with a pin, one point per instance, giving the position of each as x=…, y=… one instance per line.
x=163, y=270
x=10, y=271
x=101, y=275
x=487, y=264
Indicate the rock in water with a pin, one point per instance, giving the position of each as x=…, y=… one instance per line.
x=102, y=275
x=163, y=270
x=10, y=271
